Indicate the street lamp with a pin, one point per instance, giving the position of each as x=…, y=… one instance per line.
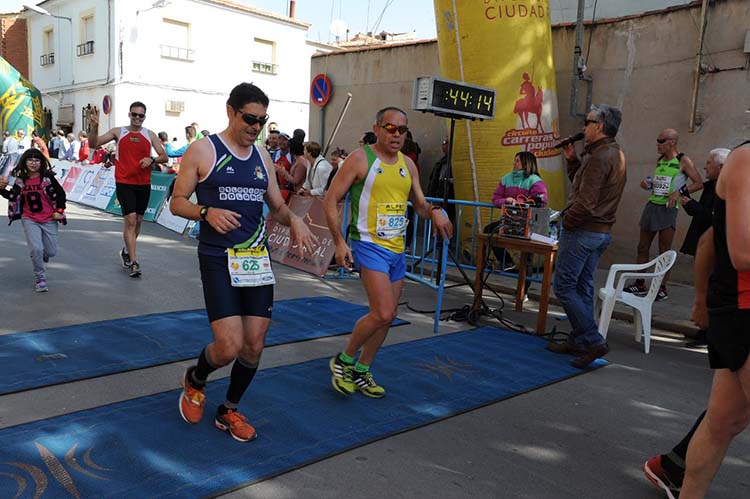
x=45, y=12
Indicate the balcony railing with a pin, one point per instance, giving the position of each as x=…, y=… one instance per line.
x=85, y=48
x=180, y=53
x=47, y=59
x=264, y=67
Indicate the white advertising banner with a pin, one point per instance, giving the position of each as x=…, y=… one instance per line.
x=171, y=221
x=101, y=188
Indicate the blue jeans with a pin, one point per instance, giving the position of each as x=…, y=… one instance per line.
x=578, y=254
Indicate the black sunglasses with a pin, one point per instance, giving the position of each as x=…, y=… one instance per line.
x=137, y=115
x=661, y=141
x=587, y=122
x=252, y=119
x=391, y=128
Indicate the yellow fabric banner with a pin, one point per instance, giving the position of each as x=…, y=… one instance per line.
x=505, y=45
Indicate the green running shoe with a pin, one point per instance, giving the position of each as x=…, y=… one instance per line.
x=341, y=378
x=367, y=386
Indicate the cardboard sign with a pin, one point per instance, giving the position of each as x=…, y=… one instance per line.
x=160, y=183
x=283, y=249
x=171, y=221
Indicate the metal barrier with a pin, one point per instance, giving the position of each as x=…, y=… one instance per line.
x=464, y=248
x=428, y=258
x=432, y=269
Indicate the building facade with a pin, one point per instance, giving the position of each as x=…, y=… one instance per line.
x=179, y=57
x=13, y=42
x=652, y=87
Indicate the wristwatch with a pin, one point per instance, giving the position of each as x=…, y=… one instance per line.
x=204, y=212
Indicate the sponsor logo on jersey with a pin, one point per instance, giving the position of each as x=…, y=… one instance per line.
x=259, y=173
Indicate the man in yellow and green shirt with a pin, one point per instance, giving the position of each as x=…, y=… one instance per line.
x=379, y=180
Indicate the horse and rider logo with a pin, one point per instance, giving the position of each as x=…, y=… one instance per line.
x=530, y=133
x=530, y=104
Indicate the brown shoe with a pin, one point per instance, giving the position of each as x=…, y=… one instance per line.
x=566, y=348
x=590, y=355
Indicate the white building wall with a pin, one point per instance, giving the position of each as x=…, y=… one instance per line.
x=127, y=63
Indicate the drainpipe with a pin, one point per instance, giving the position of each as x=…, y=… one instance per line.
x=579, y=67
x=697, y=75
x=292, y=4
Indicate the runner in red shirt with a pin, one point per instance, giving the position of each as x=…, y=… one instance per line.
x=133, y=165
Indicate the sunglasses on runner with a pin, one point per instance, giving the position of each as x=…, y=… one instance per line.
x=391, y=128
x=137, y=115
x=661, y=141
x=251, y=119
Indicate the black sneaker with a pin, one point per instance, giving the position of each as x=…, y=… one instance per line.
x=135, y=270
x=662, y=294
x=125, y=258
x=45, y=258
x=636, y=290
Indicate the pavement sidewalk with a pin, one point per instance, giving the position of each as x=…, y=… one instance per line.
x=672, y=314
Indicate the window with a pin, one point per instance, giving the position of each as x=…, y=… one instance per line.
x=48, y=47
x=86, y=35
x=175, y=38
x=264, y=56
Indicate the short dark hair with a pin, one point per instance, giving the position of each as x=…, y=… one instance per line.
x=296, y=147
x=138, y=104
x=369, y=138
x=163, y=136
x=379, y=115
x=246, y=93
x=528, y=161
x=313, y=148
x=191, y=132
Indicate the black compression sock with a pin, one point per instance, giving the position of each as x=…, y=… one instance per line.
x=243, y=372
x=199, y=373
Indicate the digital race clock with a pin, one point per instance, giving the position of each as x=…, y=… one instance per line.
x=453, y=99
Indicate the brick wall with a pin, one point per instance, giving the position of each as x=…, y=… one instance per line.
x=13, y=45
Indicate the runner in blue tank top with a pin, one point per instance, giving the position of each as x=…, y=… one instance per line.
x=231, y=179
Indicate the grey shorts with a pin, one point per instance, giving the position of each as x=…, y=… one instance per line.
x=657, y=217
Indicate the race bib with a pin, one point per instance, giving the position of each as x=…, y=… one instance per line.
x=250, y=267
x=391, y=221
x=662, y=185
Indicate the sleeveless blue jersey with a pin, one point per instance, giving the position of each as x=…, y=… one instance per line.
x=236, y=184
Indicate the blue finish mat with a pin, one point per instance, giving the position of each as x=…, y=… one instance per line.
x=142, y=448
x=60, y=355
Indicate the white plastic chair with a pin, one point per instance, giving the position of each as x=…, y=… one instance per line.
x=641, y=305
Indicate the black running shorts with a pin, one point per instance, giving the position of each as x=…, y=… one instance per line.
x=728, y=339
x=224, y=300
x=133, y=198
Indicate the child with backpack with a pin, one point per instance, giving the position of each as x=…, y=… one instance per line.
x=38, y=200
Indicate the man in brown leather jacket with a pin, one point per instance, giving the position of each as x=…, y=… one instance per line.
x=598, y=182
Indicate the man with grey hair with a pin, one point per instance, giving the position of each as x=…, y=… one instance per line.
x=598, y=181
x=701, y=211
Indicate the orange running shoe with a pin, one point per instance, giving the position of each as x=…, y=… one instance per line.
x=191, y=401
x=236, y=424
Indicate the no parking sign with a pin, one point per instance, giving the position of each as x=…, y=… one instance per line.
x=320, y=90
